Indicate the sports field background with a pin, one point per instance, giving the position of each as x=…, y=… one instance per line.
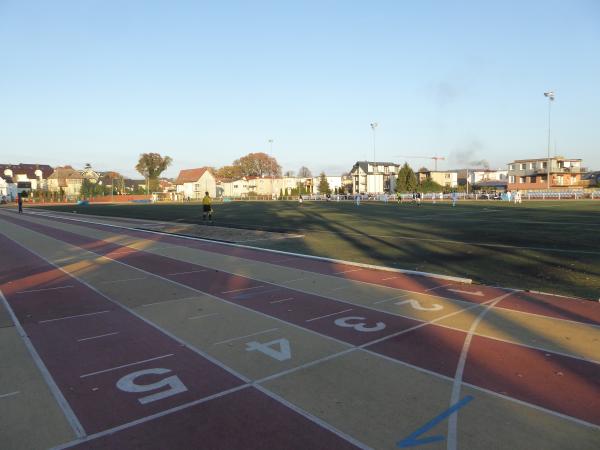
x=551, y=246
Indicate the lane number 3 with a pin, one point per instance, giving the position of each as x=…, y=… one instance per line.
x=128, y=384
x=351, y=322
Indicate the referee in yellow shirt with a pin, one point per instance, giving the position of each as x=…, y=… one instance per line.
x=207, y=207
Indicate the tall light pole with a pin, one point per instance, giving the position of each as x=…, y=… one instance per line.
x=271, y=144
x=550, y=96
x=373, y=126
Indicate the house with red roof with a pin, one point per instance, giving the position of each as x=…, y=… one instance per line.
x=191, y=184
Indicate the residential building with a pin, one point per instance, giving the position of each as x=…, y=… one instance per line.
x=532, y=174
x=67, y=180
x=446, y=178
x=232, y=188
x=35, y=176
x=193, y=183
x=8, y=189
x=374, y=177
x=335, y=182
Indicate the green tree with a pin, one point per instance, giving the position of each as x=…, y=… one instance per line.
x=407, y=180
x=324, y=184
x=151, y=165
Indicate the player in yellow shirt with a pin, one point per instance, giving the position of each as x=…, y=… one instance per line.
x=207, y=207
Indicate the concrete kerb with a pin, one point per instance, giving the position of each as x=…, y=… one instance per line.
x=281, y=252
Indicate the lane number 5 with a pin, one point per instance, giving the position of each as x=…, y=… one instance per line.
x=128, y=384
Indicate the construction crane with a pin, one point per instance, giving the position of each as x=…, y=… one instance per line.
x=435, y=158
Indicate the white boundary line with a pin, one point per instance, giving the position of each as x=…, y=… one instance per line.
x=328, y=315
x=203, y=316
x=60, y=399
x=242, y=289
x=75, y=317
x=10, y=394
x=280, y=252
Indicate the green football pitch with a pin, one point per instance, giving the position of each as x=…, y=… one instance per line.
x=551, y=246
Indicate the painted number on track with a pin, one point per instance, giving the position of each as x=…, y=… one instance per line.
x=128, y=384
x=284, y=353
x=350, y=322
x=417, y=305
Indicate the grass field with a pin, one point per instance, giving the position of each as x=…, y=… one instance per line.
x=546, y=246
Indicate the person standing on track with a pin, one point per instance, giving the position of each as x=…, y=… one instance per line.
x=20, y=203
x=207, y=207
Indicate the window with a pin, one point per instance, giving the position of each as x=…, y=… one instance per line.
x=511, y=179
x=511, y=167
x=523, y=166
x=521, y=179
x=533, y=165
x=545, y=165
x=533, y=179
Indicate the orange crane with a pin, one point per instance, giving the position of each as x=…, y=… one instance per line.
x=435, y=158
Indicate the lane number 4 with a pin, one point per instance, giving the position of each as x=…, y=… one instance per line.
x=268, y=348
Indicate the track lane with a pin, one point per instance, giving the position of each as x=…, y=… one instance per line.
x=437, y=343
x=574, y=309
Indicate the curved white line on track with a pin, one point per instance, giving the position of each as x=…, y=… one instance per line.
x=453, y=420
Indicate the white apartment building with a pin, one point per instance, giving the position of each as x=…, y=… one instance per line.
x=191, y=184
x=374, y=177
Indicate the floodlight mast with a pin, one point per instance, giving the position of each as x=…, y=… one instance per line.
x=550, y=96
x=373, y=126
x=271, y=144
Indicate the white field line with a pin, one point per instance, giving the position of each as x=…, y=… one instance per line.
x=145, y=305
x=126, y=365
x=185, y=273
x=10, y=394
x=246, y=336
x=243, y=289
x=97, y=337
x=45, y=289
x=124, y=280
x=203, y=316
x=398, y=297
x=75, y=317
x=328, y=315
x=282, y=300
x=456, y=385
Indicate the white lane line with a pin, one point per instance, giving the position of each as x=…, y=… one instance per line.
x=10, y=394
x=453, y=419
x=389, y=278
x=203, y=316
x=75, y=317
x=248, y=335
x=295, y=279
x=340, y=288
x=243, y=289
x=283, y=260
x=60, y=399
x=282, y=300
x=45, y=289
x=460, y=291
x=125, y=365
x=121, y=252
x=123, y=280
x=329, y=315
x=346, y=271
x=97, y=337
x=185, y=273
x=398, y=297
x=168, y=301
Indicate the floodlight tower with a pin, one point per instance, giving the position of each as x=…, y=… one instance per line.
x=550, y=96
x=271, y=144
x=373, y=126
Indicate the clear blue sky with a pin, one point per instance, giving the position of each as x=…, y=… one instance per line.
x=102, y=81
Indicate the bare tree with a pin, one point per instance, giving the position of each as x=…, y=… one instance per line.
x=258, y=164
x=304, y=172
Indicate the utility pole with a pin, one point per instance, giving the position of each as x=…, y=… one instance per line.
x=373, y=126
x=550, y=96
